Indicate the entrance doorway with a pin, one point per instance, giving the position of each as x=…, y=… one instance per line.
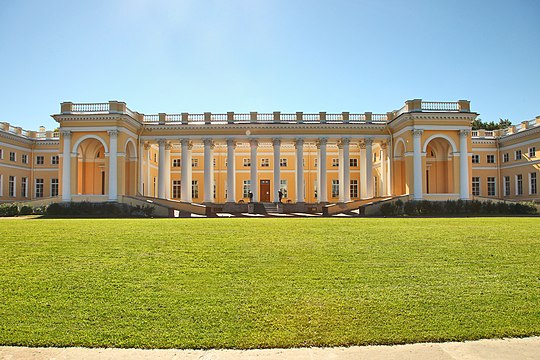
x=265, y=190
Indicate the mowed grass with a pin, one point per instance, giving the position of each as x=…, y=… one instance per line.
x=257, y=283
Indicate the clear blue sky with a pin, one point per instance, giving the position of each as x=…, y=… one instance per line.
x=255, y=55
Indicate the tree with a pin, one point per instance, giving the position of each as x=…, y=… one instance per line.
x=479, y=124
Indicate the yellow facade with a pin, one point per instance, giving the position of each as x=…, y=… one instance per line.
x=424, y=149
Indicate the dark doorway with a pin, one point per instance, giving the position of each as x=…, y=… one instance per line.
x=102, y=183
x=265, y=190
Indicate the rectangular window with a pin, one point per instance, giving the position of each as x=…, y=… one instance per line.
x=40, y=160
x=354, y=188
x=1, y=154
x=24, y=159
x=282, y=162
x=532, y=183
x=315, y=186
x=519, y=184
x=315, y=163
x=39, y=188
x=335, y=162
x=214, y=192
x=507, y=186
x=335, y=188
x=475, y=159
x=506, y=157
x=176, y=162
x=491, y=186
x=54, y=187
x=176, y=194
x=195, y=189
x=353, y=162
x=284, y=188
x=24, y=187
x=11, y=186
x=214, y=162
x=155, y=157
x=194, y=162
x=476, y=186
x=518, y=155
x=12, y=156
x=491, y=159
x=246, y=188
x=265, y=162
x=55, y=160
x=532, y=152
x=374, y=157
x=246, y=162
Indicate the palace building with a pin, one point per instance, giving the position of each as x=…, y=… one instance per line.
x=107, y=152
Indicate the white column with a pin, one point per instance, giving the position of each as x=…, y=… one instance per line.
x=161, y=169
x=66, y=165
x=276, y=143
x=231, y=171
x=168, y=148
x=384, y=169
x=363, y=171
x=113, y=165
x=185, y=186
x=341, y=194
x=299, y=145
x=417, y=163
x=463, y=165
x=208, y=170
x=149, y=182
x=369, y=167
x=253, y=170
x=346, y=165
x=322, y=196
x=141, y=170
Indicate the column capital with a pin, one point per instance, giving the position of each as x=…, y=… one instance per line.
x=384, y=145
x=417, y=132
x=146, y=145
x=65, y=133
x=186, y=142
x=161, y=141
x=298, y=142
x=208, y=142
x=168, y=145
x=113, y=133
x=343, y=142
x=253, y=142
x=276, y=142
x=368, y=141
x=231, y=142
x=464, y=133
x=321, y=142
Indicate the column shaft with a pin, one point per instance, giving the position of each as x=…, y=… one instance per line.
x=185, y=186
x=299, y=144
x=231, y=171
x=384, y=169
x=277, y=171
x=253, y=169
x=322, y=195
x=417, y=164
x=463, y=165
x=208, y=171
x=369, y=168
x=66, y=166
x=346, y=165
x=161, y=169
x=113, y=165
x=363, y=171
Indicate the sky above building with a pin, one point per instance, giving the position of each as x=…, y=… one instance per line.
x=268, y=55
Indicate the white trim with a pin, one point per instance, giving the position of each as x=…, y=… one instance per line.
x=267, y=138
x=125, y=147
x=1, y=185
x=483, y=150
x=404, y=146
x=430, y=127
x=85, y=137
x=446, y=137
x=484, y=167
x=15, y=167
x=521, y=144
x=523, y=163
x=16, y=147
x=98, y=129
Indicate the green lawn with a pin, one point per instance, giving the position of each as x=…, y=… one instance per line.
x=250, y=283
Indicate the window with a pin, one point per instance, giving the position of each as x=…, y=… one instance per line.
x=12, y=156
x=54, y=187
x=315, y=188
x=155, y=157
x=214, y=191
x=265, y=162
x=246, y=188
x=214, y=162
x=491, y=186
x=195, y=189
x=40, y=160
x=476, y=185
x=315, y=162
x=1, y=154
x=194, y=162
x=176, y=162
x=491, y=159
x=335, y=162
x=532, y=183
x=353, y=162
x=519, y=184
x=506, y=158
x=283, y=187
x=475, y=159
x=24, y=187
x=507, y=186
x=11, y=186
x=335, y=188
x=532, y=152
x=39, y=188
x=24, y=159
x=374, y=157
x=176, y=188
x=1, y=185
x=354, y=188
x=247, y=163
x=282, y=162
x=518, y=155
x=54, y=160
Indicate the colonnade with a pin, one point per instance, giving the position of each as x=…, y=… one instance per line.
x=344, y=144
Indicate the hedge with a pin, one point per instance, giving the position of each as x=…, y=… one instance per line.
x=456, y=207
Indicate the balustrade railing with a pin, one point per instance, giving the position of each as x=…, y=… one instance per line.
x=287, y=117
x=312, y=117
x=173, y=117
x=440, y=106
x=91, y=107
x=379, y=117
x=241, y=117
x=357, y=117
x=151, y=118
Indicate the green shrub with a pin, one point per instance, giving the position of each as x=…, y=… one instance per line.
x=389, y=209
x=26, y=210
x=466, y=207
x=102, y=210
x=9, y=210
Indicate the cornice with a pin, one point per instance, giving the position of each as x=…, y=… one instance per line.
x=530, y=131
x=97, y=117
x=258, y=126
x=15, y=137
x=484, y=141
x=431, y=116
